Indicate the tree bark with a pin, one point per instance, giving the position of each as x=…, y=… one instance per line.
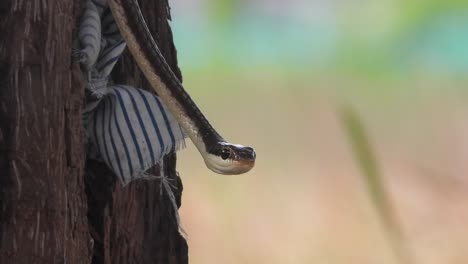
x=56, y=207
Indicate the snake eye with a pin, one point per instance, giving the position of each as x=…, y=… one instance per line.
x=225, y=153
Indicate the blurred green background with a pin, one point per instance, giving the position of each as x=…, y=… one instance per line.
x=358, y=111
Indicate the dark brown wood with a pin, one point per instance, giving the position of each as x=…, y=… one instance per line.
x=43, y=208
x=53, y=208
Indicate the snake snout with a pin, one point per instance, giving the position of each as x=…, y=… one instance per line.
x=254, y=155
x=250, y=153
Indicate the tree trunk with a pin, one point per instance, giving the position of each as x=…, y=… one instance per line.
x=56, y=207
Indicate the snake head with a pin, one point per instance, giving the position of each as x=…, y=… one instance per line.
x=230, y=159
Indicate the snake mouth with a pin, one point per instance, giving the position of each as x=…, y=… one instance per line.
x=240, y=167
x=248, y=161
x=246, y=165
x=228, y=167
x=244, y=160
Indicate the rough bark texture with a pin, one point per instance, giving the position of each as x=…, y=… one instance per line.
x=54, y=206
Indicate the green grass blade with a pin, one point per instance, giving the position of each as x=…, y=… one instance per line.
x=367, y=162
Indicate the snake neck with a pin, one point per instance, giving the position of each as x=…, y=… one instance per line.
x=150, y=60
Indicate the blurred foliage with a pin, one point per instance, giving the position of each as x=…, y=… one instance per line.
x=373, y=39
x=378, y=194
x=416, y=12
x=222, y=11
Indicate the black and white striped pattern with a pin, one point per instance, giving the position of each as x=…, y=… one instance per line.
x=128, y=128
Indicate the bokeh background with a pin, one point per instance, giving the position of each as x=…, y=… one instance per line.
x=277, y=75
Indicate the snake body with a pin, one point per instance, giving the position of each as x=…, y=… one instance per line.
x=219, y=155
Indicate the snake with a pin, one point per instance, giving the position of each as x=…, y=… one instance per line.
x=219, y=155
